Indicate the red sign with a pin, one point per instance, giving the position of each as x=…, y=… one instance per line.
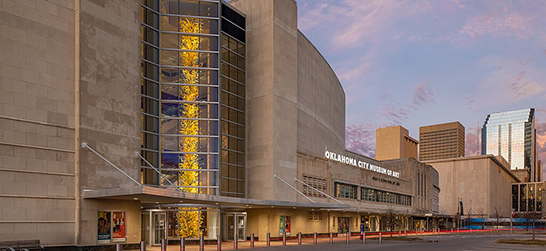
x=118, y=226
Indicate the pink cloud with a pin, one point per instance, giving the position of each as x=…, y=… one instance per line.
x=496, y=23
x=472, y=141
x=423, y=95
x=360, y=138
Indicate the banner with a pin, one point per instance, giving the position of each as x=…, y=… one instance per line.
x=103, y=227
x=284, y=225
x=118, y=226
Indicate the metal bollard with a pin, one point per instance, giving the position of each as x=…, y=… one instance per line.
x=164, y=245
x=202, y=243
x=269, y=239
x=315, y=238
x=406, y=233
x=284, y=238
x=331, y=238
x=364, y=237
x=235, y=242
x=118, y=247
x=183, y=244
x=347, y=237
x=219, y=242
x=142, y=246
x=380, y=239
x=252, y=240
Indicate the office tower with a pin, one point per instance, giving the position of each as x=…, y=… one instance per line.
x=511, y=135
x=441, y=141
x=394, y=143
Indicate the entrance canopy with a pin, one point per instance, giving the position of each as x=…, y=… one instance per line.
x=151, y=195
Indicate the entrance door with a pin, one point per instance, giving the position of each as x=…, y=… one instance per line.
x=240, y=229
x=159, y=227
x=235, y=225
x=343, y=225
x=145, y=227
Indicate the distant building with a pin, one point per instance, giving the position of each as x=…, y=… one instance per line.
x=394, y=143
x=539, y=171
x=483, y=183
x=527, y=197
x=512, y=135
x=441, y=141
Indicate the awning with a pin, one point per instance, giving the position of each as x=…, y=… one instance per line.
x=151, y=195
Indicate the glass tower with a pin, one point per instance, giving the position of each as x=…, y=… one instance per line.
x=511, y=135
x=193, y=95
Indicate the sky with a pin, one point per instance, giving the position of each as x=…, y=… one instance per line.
x=424, y=62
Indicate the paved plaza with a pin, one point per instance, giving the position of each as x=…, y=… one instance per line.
x=447, y=241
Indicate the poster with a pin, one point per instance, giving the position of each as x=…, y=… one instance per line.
x=103, y=227
x=284, y=225
x=118, y=226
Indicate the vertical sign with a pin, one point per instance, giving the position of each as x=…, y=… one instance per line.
x=118, y=227
x=284, y=225
x=103, y=227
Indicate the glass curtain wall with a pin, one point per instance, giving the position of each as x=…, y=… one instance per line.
x=509, y=134
x=181, y=100
x=233, y=91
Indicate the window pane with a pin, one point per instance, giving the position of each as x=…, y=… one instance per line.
x=186, y=76
x=149, y=106
x=208, y=9
x=177, y=92
x=177, y=143
x=174, y=160
x=205, y=43
x=185, y=110
x=149, y=123
x=205, y=127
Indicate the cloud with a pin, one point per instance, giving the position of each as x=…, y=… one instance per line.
x=360, y=138
x=423, y=95
x=496, y=24
x=397, y=113
x=508, y=79
x=472, y=141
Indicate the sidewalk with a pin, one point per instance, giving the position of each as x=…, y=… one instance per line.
x=370, y=238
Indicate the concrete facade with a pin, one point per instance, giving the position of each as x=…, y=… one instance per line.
x=272, y=106
x=483, y=183
x=68, y=76
x=37, y=121
x=441, y=141
x=394, y=143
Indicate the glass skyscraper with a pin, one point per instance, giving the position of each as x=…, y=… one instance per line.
x=511, y=135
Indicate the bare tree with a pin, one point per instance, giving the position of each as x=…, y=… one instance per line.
x=390, y=218
x=498, y=214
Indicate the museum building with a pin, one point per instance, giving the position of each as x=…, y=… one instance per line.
x=160, y=119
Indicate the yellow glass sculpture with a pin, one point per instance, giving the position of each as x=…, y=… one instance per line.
x=189, y=219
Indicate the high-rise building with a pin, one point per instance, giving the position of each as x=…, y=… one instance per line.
x=441, y=141
x=539, y=171
x=394, y=143
x=512, y=135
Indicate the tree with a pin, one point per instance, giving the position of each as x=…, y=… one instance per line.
x=498, y=214
x=390, y=218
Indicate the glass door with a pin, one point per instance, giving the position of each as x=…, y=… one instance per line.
x=241, y=227
x=235, y=225
x=343, y=225
x=159, y=224
x=230, y=227
x=145, y=227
